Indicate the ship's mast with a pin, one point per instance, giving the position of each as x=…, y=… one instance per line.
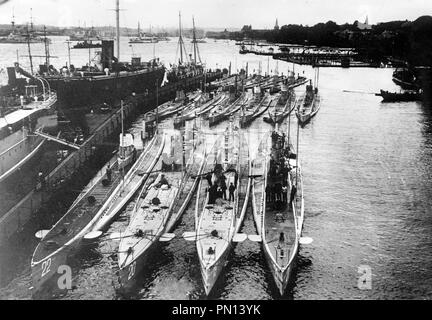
x=195, y=44
x=297, y=155
x=268, y=66
x=31, y=20
x=194, y=40
x=29, y=50
x=13, y=20
x=180, y=39
x=69, y=53
x=157, y=105
x=117, y=10
x=122, y=123
x=47, y=54
x=289, y=125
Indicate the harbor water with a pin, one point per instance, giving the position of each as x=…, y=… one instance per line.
x=366, y=166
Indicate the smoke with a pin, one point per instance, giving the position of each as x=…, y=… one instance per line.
x=3, y=2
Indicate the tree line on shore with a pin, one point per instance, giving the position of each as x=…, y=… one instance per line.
x=409, y=41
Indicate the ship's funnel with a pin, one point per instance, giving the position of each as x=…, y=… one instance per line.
x=43, y=68
x=12, y=76
x=107, y=55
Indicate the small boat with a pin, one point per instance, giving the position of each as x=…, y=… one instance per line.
x=159, y=206
x=219, y=217
x=87, y=45
x=309, y=105
x=140, y=38
x=405, y=78
x=255, y=108
x=283, y=107
x=58, y=243
x=278, y=205
x=400, y=96
x=144, y=39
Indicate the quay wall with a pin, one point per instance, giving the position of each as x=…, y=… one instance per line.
x=16, y=218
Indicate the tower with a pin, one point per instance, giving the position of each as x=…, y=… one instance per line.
x=276, y=27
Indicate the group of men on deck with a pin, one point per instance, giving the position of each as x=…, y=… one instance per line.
x=277, y=187
x=218, y=188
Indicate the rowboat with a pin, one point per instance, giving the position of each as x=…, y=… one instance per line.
x=219, y=217
x=283, y=107
x=278, y=205
x=400, y=96
x=159, y=206
x=309, y=105
x=65, y=236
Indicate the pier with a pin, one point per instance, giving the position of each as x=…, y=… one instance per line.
x=318, y=59
x=314, y=56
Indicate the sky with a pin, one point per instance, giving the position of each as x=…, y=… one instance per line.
x=210, y=13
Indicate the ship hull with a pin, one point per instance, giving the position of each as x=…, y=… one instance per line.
x=404, y=84
x=396, y=97
x=85, y=91
x=129, y=274
x=211, y=275
x=17, y=155
x=214, y=120
x=47, y=272
x=18, y=147
x=281, y=277
x=45, y=268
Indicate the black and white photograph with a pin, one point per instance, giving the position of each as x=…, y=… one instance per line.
x=222, y=150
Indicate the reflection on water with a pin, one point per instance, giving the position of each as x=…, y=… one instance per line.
x=367, y=171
